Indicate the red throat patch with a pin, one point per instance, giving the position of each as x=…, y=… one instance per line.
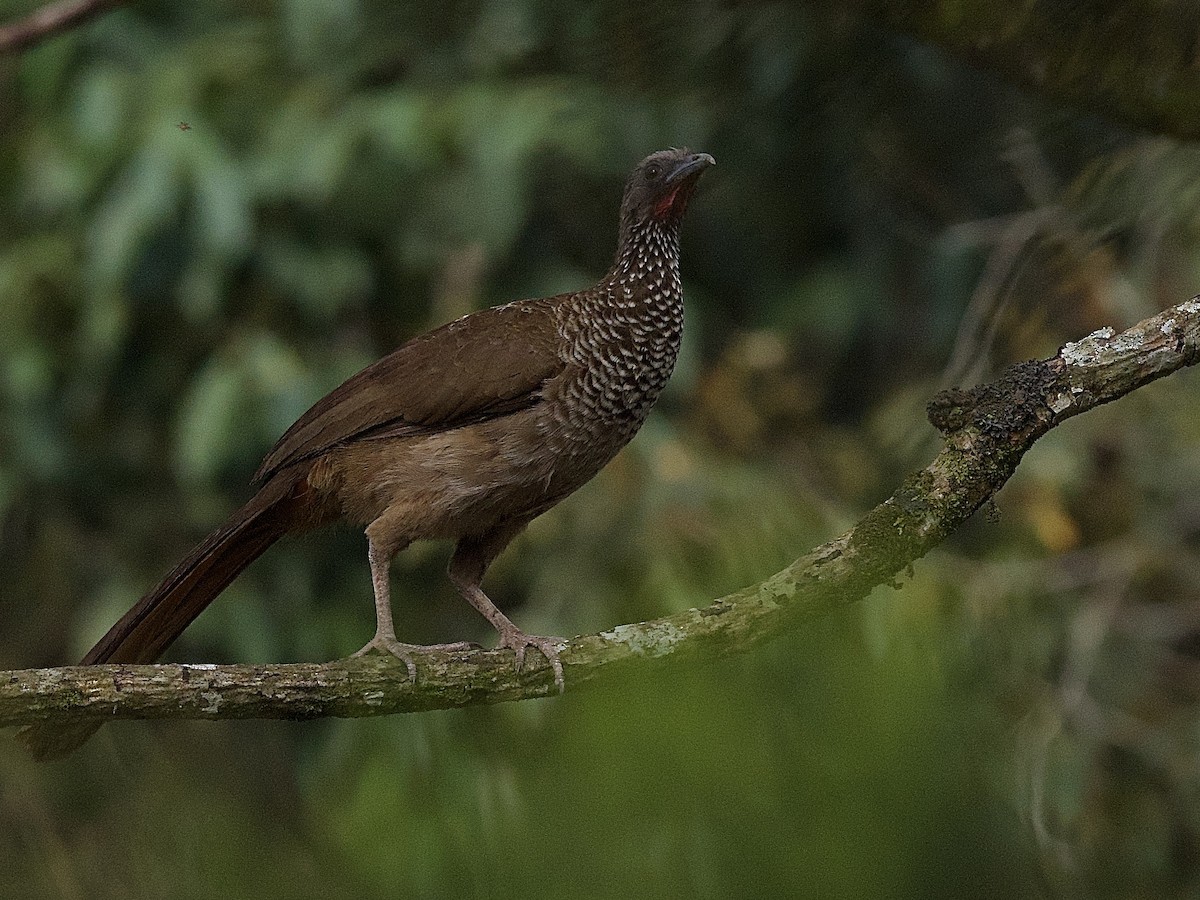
x=666, y=204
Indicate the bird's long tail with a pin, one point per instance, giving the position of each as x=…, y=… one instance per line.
x=143, y=633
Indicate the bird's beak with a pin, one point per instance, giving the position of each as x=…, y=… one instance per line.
x=694, y=164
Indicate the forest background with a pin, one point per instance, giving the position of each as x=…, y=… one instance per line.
x=213, y=212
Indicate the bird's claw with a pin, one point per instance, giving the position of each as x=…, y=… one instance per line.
x=383, y=643
x=518, y=641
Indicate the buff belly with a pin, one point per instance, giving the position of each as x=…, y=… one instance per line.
x=461, y=481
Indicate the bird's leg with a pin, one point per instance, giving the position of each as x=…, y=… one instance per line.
x=385, y=631
x=471, y=558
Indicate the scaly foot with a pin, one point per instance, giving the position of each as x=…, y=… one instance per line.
x=517, y=640
x=386, y=643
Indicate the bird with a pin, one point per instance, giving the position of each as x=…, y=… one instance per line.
x=467, y=432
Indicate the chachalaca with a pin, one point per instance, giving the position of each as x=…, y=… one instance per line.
x=467, y=432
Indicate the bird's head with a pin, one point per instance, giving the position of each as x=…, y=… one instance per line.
x=659, y=188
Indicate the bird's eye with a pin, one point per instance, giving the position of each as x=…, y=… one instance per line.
x=653, y=170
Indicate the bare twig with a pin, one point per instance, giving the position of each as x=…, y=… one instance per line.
x=987, y=431
x=50, y=20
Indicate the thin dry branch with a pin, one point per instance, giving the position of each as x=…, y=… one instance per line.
x=987, y=431
x=49, y=21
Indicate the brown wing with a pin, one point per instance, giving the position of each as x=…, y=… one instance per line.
x=483, y=365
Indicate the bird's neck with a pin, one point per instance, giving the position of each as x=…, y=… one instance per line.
x=648, y=254
x=643, y=285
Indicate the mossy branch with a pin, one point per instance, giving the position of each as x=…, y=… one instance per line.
x=987, y=430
